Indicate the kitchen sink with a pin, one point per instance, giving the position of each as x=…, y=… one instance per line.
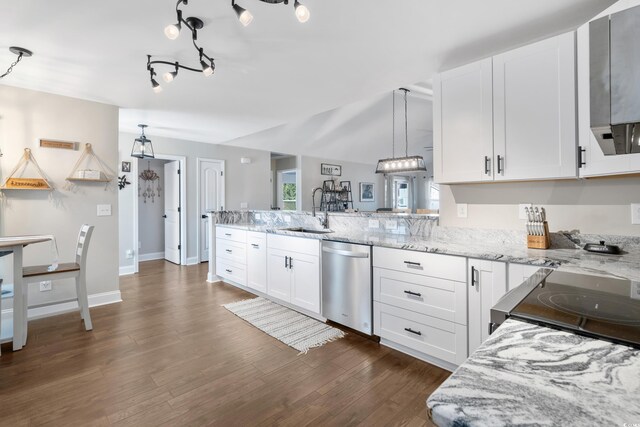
x=306, y=230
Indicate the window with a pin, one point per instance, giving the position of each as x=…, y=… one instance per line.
x=289, y=196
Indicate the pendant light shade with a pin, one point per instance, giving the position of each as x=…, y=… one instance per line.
x=407, y=163
x=142, y=147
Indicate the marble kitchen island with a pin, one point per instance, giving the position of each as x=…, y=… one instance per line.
x=531, y=375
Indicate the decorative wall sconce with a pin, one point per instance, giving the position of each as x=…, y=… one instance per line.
x=151, y=183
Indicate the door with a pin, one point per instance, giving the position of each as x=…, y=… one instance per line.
x=487, y=284
x=463, y=124
x=535, y=111
x=257, y=261
x=278, y=275
x=172, y=212
x=287, y=190
x=211, y=199
x=305, y=288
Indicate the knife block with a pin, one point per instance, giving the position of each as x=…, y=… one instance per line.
x=540, y=242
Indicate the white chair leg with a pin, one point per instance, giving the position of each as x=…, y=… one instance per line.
x=83, y=301
x=78, y=293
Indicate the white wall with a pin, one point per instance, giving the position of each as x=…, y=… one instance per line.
x=25, y=117
x=244, y=183
x=354, y=172
x=150, y=220
x=590, y=206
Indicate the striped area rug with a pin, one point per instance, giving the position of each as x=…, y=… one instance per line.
x=292, y=328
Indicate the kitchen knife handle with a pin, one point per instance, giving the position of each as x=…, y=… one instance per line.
x=412, y=331
x=487, y=167
x=499, y=162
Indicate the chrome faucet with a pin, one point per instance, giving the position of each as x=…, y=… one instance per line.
x=325, y=221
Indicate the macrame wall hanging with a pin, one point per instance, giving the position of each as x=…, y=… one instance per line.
x=150, y=182
x=15, y=183
x=88, y=158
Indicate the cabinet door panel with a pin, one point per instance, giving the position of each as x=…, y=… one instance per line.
x=278, y=275
x=535, y=110
x=257, y=261
x=463, y=124
x=305, y=287
x=485, y=289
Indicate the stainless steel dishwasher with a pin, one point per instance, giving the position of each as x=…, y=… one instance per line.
x=346, y=285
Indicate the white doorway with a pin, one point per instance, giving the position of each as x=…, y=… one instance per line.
x=287, y=189
x=211, y=197
x=172, y=212
x=173, y=188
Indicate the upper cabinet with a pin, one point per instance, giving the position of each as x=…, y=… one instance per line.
x=463, y=123
x=510, y=117
x=593, y=161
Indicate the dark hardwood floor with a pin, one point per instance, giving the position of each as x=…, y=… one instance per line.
x=169, y=354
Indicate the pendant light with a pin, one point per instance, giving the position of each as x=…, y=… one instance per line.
x=401, y=164
x=142, y=147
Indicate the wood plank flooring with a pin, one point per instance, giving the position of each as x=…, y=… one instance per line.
x=171, y=355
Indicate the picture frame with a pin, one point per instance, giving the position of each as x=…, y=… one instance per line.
x=367, y=192
x=126, y=166
x=329, y=169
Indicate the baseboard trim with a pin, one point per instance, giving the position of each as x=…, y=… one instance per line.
x=127, y=270
x=193, y=260
x=212, y=278
x=418, y=355
x=95, y=300
x=151, y=256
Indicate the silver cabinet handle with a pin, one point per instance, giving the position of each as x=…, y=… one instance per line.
x=228, y=251
x=500, y=164
x=346, y=253
x=228, y=271
x=474, y=279
x=487, y=167
x=412, y=264
x=255, y=246
x=227, y=234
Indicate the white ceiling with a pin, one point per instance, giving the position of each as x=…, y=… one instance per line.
x=274, y=72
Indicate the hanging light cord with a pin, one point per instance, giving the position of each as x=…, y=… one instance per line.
x=406, y=126
x=10, y=69
x=393, y=124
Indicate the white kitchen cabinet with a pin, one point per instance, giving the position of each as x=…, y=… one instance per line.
x=487, y=284
x=293, y=271
x=534, y=111
x=257, y=261
x=511, y=117
x=518, y=273
x=463, y=124
x=594, y=162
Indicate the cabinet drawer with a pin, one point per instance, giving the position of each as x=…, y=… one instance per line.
x=294, y=245
x=232, y=251
x=444, y=299
x=232, y=234
x=434, y=265
x=230, y=271
x=434, y=337
x=257, y=238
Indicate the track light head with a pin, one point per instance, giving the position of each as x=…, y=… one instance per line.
x=156, y=86
x=302, y=13
x=172, y=31
x=207, y=69
x=169, y=76
x=244, y=16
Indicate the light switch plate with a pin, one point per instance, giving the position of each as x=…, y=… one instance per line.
x=257, y=216
x=521, y=212
x=104, y=210
x=244, y=205
x=635, y=213
x=374, y=223
x=287, y=219
x=462, y=210
x=45, y=286
x=391, y=224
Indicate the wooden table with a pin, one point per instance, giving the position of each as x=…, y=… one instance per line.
x=15, y=245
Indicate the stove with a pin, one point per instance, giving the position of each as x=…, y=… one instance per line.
x=595, y=306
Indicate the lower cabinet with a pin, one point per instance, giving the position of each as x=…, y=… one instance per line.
x=257, y=261
x=293, y=266
x=487, y=284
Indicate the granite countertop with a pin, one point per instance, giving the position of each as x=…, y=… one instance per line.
x=565, y=256
x=526, y=374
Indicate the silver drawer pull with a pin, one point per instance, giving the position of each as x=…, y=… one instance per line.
x=415, y=294
x=227, y=234
x=255, y=246
x=412, y=264
x=228, y=271
x=412, y=331
x=228, y=251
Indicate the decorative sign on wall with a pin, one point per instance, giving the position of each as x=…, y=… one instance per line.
x=333, y=170
x=126, y=166
x=47, y=143
x=13, y=183
x=367, y=192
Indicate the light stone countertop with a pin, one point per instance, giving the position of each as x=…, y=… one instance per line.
x=526, y=374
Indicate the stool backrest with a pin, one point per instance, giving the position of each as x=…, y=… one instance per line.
x=83, y=244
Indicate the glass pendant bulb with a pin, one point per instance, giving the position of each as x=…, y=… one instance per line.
x=172, y=31
x=302, y=13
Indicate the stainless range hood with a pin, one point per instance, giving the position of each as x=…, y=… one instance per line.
x=614, y=52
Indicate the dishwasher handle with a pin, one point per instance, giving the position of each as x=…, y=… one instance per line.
x=350, y=254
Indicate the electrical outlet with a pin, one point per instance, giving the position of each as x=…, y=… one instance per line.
x=129, y=254
x=635, y=213
x=45, y=286
x=462, y=210
x=104, y=210
x=287, y=219
x=244, y=205
x=521, y=212
x=391, y=224
x=257, y=216
x=374, y=223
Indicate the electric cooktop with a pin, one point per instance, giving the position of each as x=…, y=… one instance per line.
x=595, y=306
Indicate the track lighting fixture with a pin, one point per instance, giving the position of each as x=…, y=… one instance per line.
x=21, y=52
x=172, y=31
x=245, y=17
